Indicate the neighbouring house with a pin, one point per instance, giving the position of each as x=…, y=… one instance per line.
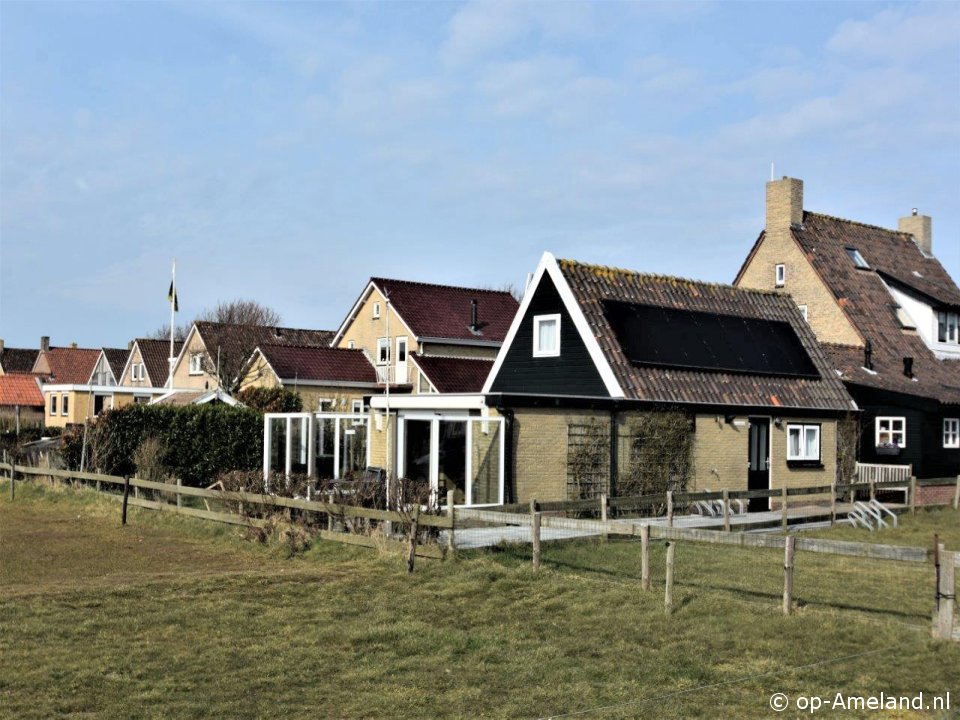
x=20, y=399
x=196, y=397
x=619, y=382
x=886, y=313
x=19, y=360
x=394, y=320
x=327, y=379
x=148, y=365
x=65, y=373
x=109, y=367
x=215, y=354
x=438, y=374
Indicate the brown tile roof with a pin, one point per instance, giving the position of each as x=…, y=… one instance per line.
x=18, y=360
x=592, y=285
x=893, y=257
x=17, y=389
x=318, y=364
x=246, y=338
x=116, y=359
x=155, y=355
x=454, y=375
x=444, y=311
x=70, y=365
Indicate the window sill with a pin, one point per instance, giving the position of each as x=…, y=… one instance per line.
x=805, y=464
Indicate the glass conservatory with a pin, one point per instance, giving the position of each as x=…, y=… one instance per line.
x=320, y=445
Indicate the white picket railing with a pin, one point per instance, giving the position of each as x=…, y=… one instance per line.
x=867, y=472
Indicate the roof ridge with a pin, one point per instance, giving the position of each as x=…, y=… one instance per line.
x=672, y=278
x=441, y=285
x=857, y=222
x=301, y=346
x=264, y=327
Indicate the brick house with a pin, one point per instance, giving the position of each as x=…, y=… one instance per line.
x=886, y=313
x=595, y=351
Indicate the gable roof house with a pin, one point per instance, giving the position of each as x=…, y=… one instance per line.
x=327, y=379
x=65, y=373
x=147, y=364
x=19, y=360
x=594, y=353
x=109, y=367
x=886, y=313
x=395, y=320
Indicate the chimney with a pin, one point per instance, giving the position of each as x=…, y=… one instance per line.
x=868, y=355
x=784, y=203
x=908, y=367
x=44, y=343
x=73, y=345
x=921, y=227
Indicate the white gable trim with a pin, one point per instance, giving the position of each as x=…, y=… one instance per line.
x=126, y=365
x=548, y=265
x=183, y=350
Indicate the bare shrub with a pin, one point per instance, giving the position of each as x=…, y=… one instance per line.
x=849, y=431
x=659, y=454
x=287, y=537
x=588, y=460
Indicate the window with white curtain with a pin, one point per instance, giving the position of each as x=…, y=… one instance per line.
x=891, y=431
x=803, y=442
x=951, y=432
x=546, y=336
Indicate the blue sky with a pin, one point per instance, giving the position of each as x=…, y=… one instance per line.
x=286, y=152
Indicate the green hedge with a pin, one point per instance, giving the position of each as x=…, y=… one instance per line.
x=199, y=441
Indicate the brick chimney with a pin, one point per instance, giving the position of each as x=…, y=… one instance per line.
x=784, y=203
x=921, y=227
x=44, y=343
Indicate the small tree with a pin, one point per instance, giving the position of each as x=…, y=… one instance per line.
x=241, y=312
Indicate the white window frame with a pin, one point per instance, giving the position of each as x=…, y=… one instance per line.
x=53, y=404
x=779, y=275
x=376, y=311
x=803, y=311
x=857, y=258
x=803, y=442
x=891, y=419
x=538, y=320
x=383, y=343
x=951, y=432
x=947, y=316
x=196, y=368
x=65, y=404
x=351, y=344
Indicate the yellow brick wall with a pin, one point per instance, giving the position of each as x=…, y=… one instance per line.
x=365, y=330
x=126, y=380
x=182, y=379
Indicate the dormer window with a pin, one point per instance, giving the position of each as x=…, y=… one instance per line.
x=546, y=336
x=947, y=327
x=376, y=310
x=780, y=275
x=857, y=258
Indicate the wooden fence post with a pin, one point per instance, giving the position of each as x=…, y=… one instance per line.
x=451, y=511
x=833, y=503
x=126, y=494
x=180, y=497
x=873, y=489
x=535, y=538
x=913, y=494
x=956, y=495
x=668, y=589
x=645, y=556
x=945, y=565
x=414, y=530
x=726, y=510
x=669, y=508
x=603, y=515
x=788, y=574
x=783, y=508
x=13, y=483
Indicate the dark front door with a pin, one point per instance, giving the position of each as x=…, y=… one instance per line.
x=758, y=475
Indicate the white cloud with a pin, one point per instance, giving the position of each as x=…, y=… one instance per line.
x=900, y=34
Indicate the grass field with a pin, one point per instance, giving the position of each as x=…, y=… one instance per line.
x=173, y=617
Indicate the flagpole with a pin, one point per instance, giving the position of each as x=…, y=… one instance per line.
x=173, y=323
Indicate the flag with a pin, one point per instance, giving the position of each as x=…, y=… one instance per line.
x=172, y=297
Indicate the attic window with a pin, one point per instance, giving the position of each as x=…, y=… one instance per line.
x=546, y=336
x=376, y=310
x=947, y=327
x=857, y=258
x=780, y=275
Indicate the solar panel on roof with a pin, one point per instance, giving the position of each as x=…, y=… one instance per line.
x=692, y=340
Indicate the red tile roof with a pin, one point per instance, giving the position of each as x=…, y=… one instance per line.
x=70, y=366
x=318, y=364
x=454, y=375
x=17, y=389
x=444, y=311
x=592, y=285
x=893, y=258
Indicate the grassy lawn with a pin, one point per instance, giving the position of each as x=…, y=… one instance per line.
x=172, y=617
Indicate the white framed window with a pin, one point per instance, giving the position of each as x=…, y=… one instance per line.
x=947, y=327
x=780, y=274
x=325, y=404
x=376, y=310
x=803, y=311
x=143, y=371
x=64, y=404
x=951, y=432
x=196, y=363
x=857, y=258
x=141, y=399
x=138, y=371
x=546, y=336
x=53, y=403
x=803, y=442
x=356, y=406
x=383, y=351
x=351, y=344
x=134, y=369
x=890, y=431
